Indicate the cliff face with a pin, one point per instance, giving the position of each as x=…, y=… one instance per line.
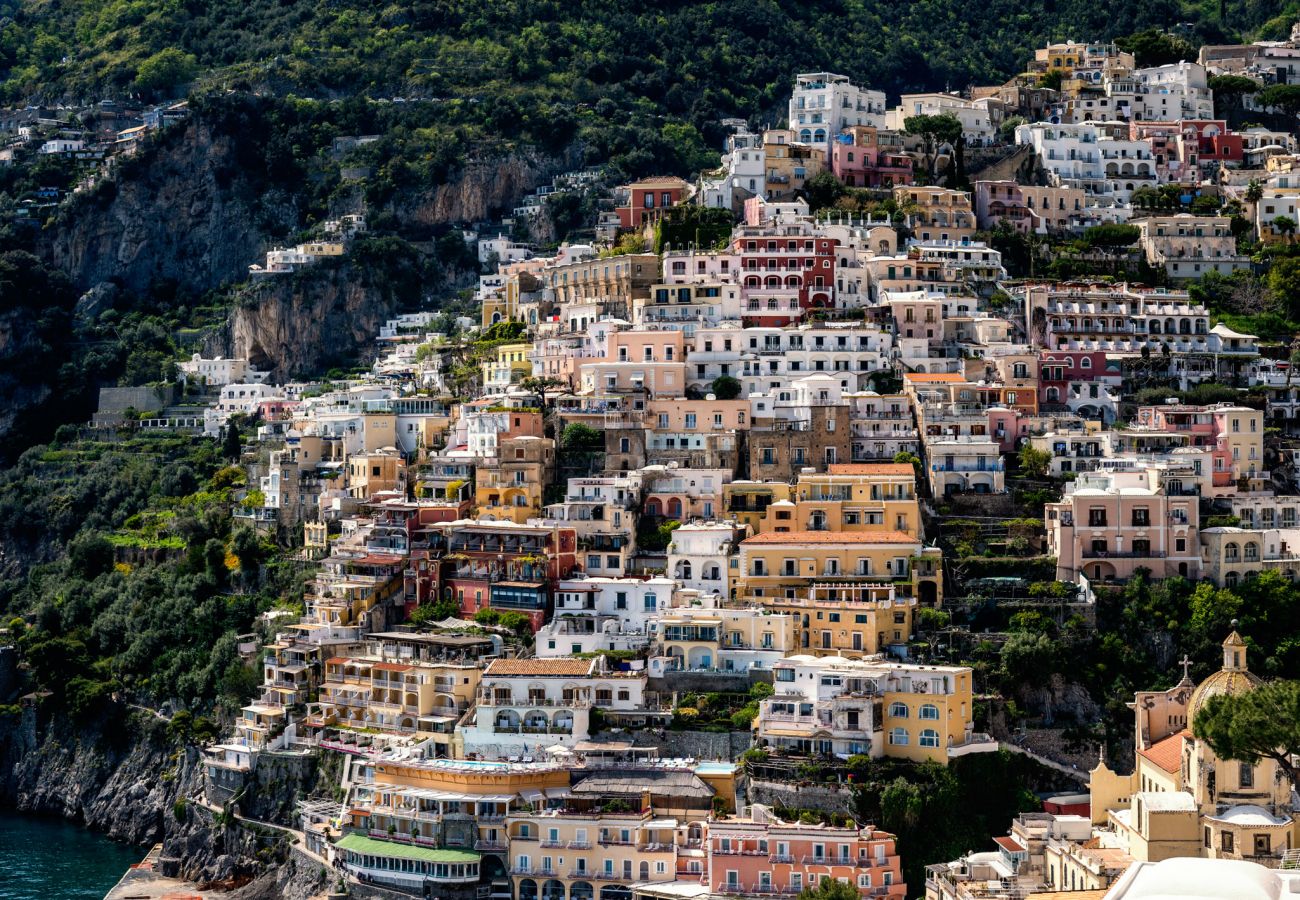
x=301, y=324
x=180, y=212
x=118, y=787
x=140, y=788
x=483, y=188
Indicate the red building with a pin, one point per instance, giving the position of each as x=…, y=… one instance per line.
x=858, y=160
x=786, y=269
x=1059, y=368
x=647, y=200
x=506, y=567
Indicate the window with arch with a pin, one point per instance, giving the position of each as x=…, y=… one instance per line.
x=1231, y=552
x=899, y=710
x=898, y=737
x=929, y=738
x=1252, y=552
x=929, y=711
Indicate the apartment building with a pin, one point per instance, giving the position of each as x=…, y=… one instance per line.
x=761, y=855
x=937, y=214
x=1188, y=246
x=709, y=637
x=824, y=104
x=786, y=564
x=830, y=704
x=701, y=555
x=850, y=619
x=1109, y=524
x=593, y=614
x=525, y=705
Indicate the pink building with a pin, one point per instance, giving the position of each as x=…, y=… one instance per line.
x=763, y=855
x=858, y=160
x=1111, y=524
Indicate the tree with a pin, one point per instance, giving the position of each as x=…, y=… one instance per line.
x=1285, y=226
x=1156, y=48
x=577, y=436
x=232, y=446
x=165, y=71
x=726, y=388
x=1260, y=724
x=541, y=385
x=830, y=889
x=1111, y=236
x=822, y=190
x=1228, y=91
x=1052, y=79
x=1283, y=97
x=1034, y=462
x=1284, y=283
x=935, y=131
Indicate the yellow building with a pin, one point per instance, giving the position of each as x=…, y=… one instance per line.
x=852, y=619
x=421, y=698
x=512, y=489
x=903, y=710
x=935, y=213
x=747, y=501
x=787, y=564
x=854, y=497
x=508, y=366
x=375, y=471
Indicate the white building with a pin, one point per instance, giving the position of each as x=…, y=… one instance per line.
x=964, y=465
x=1083, y=156
x=527, y=705
x=824, y=104
x=979, y=119
x=700, y=555
x=221, y=371
x=743, y=173
x=603, y=614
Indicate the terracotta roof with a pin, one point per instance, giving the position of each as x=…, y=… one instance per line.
x=391, y=667
x=934, y=377
x=872, y=469
x=1011, y=845
x=1167, y=753
x=831, y=537
x=559, y=666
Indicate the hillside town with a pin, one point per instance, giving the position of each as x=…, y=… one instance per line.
x=616, y=581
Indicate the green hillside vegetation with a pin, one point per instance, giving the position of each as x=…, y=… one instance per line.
x=644, y=84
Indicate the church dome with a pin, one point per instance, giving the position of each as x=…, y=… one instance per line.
x=1233, y=679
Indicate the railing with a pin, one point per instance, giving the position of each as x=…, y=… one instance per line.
x=1124, y=554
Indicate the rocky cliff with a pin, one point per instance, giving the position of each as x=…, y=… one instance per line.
x=302, y=324
x=128, y=779
x=182, y=211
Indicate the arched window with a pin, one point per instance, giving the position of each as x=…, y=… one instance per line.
x=929, y=738
x=898, y=736
x=1231, y=552
x=684, y=570
x=898, y=710
x=929, y=711
x=1230, y=580
x=1252, y=552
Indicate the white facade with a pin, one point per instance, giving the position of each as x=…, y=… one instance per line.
x=700, y=555
x=824, y=104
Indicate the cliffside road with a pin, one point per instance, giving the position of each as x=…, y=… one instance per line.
x=1073, y=772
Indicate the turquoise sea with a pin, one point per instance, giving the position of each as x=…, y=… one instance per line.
x=49, y=859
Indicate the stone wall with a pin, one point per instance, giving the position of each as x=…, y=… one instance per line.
x=694, y=744
x=822, y=797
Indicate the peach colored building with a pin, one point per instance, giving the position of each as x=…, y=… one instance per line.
x=1110, y=524
x=761, y=854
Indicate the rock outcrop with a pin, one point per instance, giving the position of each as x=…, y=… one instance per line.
x=181, y=212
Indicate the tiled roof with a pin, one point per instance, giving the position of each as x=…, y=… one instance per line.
x=390, y=667
x=1167, y=753
x=934, y=377
x=560, y=666
x=872, y=469
x=830, y=537
x=1011, y=845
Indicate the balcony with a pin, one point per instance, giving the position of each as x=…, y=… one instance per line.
x=1124, y=554
x=491, y=846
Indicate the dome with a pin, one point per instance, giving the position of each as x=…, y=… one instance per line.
x=1233, y=679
